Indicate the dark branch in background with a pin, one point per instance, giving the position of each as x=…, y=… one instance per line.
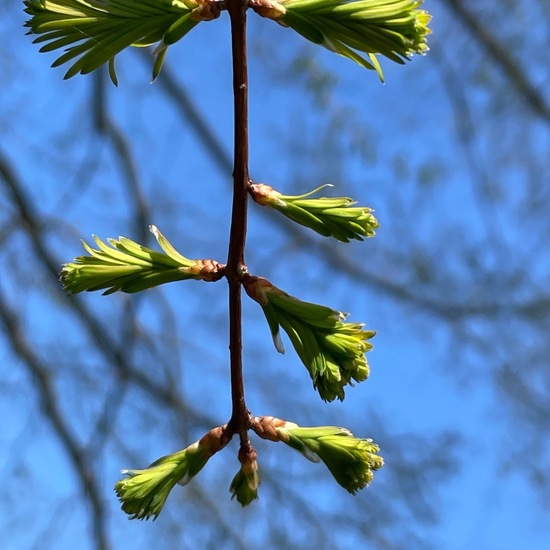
x=465, y=129
x=112, y=351
x=331, y=256
x=107, y=129
x=192, y=115
x=39, y=372
x=240, y=417
x=164, y=394
x=225, y=527
x=509, y=66
x=106, y=126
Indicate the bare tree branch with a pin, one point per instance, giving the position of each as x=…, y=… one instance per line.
x=509, y=66
x=49, y=402
x=107, y=127
x=113, y=351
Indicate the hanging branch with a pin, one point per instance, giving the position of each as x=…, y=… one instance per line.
x=93, y=32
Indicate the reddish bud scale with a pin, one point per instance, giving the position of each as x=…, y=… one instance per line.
x=215, y=440
x=208, y=270
x=268, y=8
x=261, y=193
x=268, y=427
x=207, y=10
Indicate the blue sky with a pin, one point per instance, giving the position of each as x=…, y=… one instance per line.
x=405, y=161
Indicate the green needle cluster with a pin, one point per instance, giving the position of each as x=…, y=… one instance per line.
x=125, y=265
x=329, y=216
x=396, y=29
x=332, y=350
x=351, y=460
x=144, y=492
x=93, y=32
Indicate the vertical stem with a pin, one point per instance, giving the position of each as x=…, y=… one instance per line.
x=239, y=422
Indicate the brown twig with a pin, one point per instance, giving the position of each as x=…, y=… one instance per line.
x=236, y=266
